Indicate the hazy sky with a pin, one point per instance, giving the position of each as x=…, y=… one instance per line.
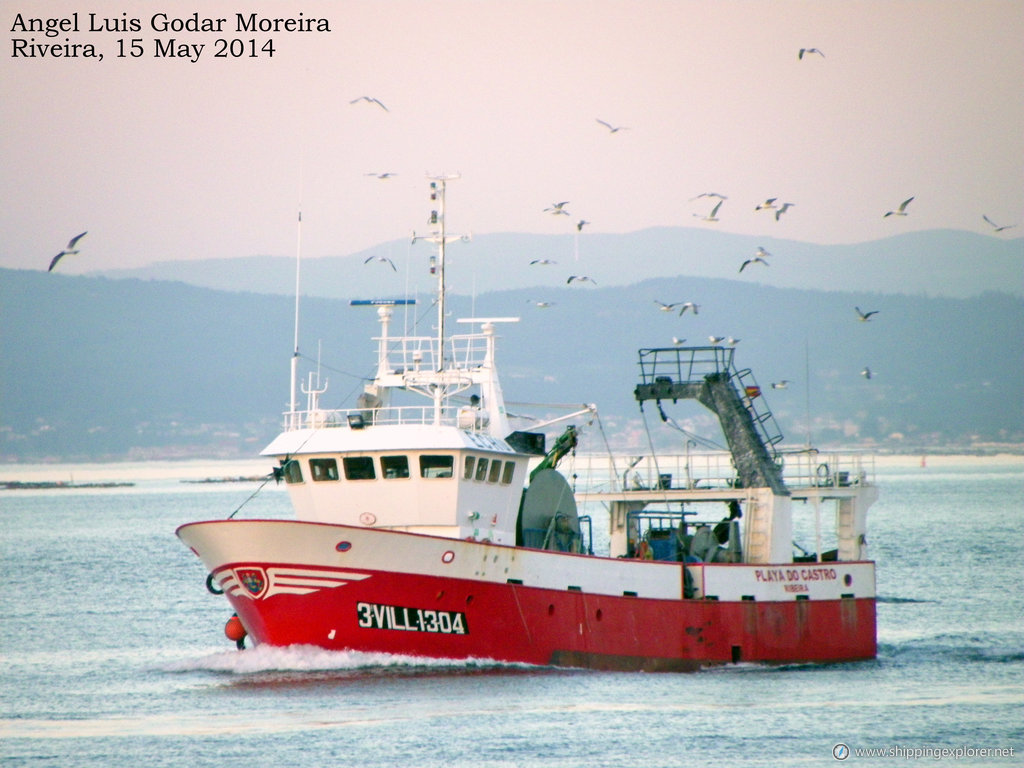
x=163, y=158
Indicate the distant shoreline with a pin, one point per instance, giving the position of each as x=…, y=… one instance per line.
x=208, y=471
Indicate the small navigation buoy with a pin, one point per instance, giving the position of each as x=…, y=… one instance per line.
x=234, y=630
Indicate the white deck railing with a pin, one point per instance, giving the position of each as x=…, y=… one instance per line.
x=464, y=352
x=596, y=473
x=464, y=417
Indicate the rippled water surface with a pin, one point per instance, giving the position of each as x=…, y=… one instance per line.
x=113, y=654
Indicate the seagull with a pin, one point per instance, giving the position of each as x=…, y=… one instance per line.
x=69, y=250
x=732, y=342
x=612, y=128
x=557, y=209
x=780, y=384
x=901, y=211
x=542, y=261
x=713, y=216
x=758, y=258
x=677, y=341
x=541, y=304
x=866, y=373
x=716, y=339
x=709, y=194
x=785, y=207
x=689, y=305
x=581, y=279
x=808, y=51
x=381, y=258
x=370, y=100
x=767, y=204
x=995, y=226
x=581, y=224
x=666, y=307
x=385, y=175
x=865, y=316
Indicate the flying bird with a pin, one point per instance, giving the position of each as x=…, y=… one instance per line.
x=385, y=175
x=757, y=258
x=689, y=305
x=558, y=209
x=666, y=307
x=901, y=211
x=780, y=384
x=69, y=250
x=809, y=51
x=381, y=258
x=767, y=205
x=866, y=373
x=370, y=100
x=612, y=128
x=865, y=316
x=581, y=224
x=709, y=194
x=995, y=226
x=713, y=216
x=785, y=207
x=580, y=279
x=541, y=304
x=543, y=261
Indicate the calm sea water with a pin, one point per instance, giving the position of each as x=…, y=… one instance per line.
x=113, y=654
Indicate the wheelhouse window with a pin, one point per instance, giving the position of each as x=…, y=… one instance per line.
x=358, y=468
x=437, y=466
x=495, y=471
x=291, y=471
x=323, y=469
x=394, y=467
x=506, y=476
x=481, y=469
x=470, y=464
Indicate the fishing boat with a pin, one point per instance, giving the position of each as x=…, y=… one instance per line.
x=438, y=530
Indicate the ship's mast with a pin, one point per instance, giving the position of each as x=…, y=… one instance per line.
x=440, y=238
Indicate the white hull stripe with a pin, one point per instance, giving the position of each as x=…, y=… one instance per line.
x=258, y=583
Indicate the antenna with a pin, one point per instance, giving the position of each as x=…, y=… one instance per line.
x=295, y=352
x=440, y=238
x=438, y=186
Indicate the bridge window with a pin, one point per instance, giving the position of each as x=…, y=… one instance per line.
x=470, y=463
x=495, y=471
x=323, y=469
x=510, y=468
x=394, y=466
x=437, y=466
x=481, y=469
x=358, y=468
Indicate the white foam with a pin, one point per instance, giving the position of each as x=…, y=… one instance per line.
x=308, y=658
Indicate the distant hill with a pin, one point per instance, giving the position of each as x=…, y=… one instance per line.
x=96, y=368
x=935, y=263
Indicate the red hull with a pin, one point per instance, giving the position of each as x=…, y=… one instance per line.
x=513, y=623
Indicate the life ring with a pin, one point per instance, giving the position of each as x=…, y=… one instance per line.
x=210, y=588
x=824, y=474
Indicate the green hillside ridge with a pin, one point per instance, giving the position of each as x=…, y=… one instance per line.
x=94, y=368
